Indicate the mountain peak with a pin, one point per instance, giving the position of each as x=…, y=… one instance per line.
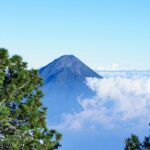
x=67, y=60
x=64, y=81
x=68, y=56
x=67, y=66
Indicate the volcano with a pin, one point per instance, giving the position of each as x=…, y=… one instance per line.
x=64, y=84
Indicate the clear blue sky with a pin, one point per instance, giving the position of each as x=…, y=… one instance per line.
x=98, y=32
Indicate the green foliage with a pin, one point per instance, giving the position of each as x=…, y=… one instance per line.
x=133, y=143
x=22, y=115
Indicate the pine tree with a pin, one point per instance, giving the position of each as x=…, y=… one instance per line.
x=133, y=143
x=146, y=142
x=22, y=115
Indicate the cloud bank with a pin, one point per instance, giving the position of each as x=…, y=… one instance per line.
x=125, y=74
x=118, y=102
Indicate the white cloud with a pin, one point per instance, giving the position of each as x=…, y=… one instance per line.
x=118, y=102
x=130, y=97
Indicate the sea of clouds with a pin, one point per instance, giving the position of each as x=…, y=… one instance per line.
x=122, y=100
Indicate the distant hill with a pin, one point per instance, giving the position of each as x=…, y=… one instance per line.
x=64, y=83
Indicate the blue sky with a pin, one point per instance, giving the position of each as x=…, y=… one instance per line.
x=98, y=32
